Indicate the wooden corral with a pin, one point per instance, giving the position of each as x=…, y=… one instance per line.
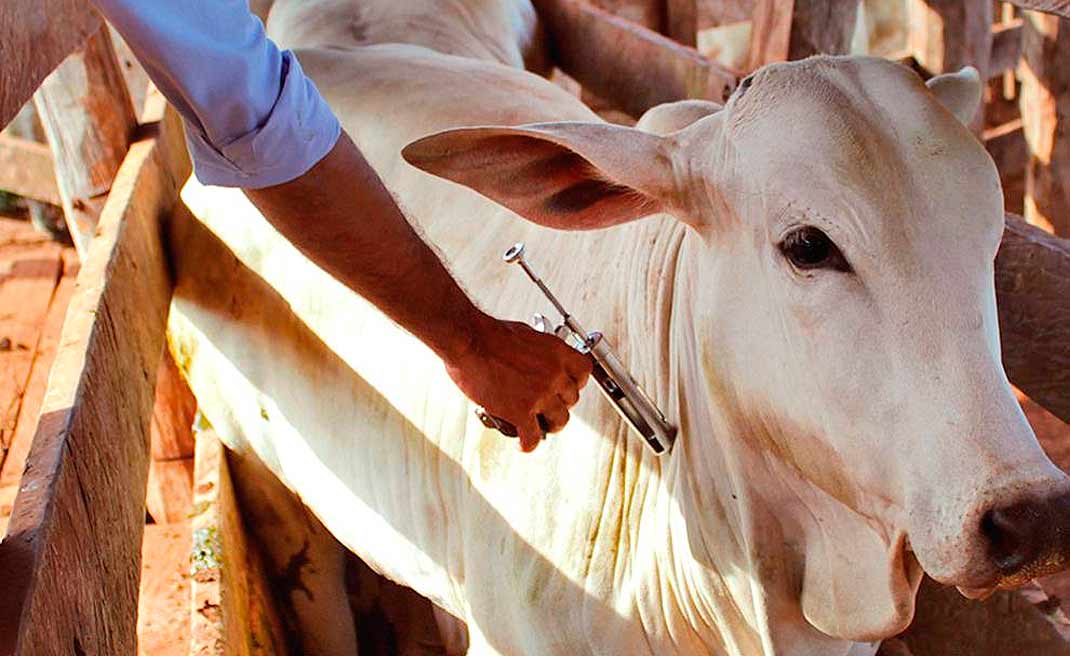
x=112, y=434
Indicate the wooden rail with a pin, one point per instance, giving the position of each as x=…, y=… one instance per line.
x=69, y=562
x=1057, y=7
x=633, y=67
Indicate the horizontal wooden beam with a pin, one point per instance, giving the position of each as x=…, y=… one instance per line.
x=26, y=169
x=1033, y=294
x=35, y=36
x=1057, y=7
x=1006, y=47
x=629, y=65
x=70, y=561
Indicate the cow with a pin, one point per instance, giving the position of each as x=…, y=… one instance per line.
x=802, y=279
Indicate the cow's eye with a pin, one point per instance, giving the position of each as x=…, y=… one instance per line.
x=809, y=248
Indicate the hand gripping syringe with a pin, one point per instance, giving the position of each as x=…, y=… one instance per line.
x=608, y=371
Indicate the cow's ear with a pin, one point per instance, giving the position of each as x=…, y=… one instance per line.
x=669, y=117
x=570, y=176
x=959, y=92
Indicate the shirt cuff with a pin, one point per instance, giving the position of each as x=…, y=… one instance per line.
x=300, y=130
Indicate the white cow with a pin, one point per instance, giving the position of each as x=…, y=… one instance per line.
x=803, y=280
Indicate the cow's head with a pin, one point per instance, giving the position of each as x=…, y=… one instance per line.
x=844, y=227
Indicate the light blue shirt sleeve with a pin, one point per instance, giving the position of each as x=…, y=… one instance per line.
x=253, y=119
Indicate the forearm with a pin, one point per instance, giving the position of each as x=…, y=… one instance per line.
x=341, y=216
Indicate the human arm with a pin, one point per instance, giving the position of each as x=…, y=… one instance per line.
x=255, y=121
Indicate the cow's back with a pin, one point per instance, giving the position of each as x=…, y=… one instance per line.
x=358, y=417
x=502, y=31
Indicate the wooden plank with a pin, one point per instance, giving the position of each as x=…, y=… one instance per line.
x=629, y=65
x=169, y=492
x=26, y=169
x=232, y=613
x=1045, y=108
x=795, y=29
x=89, y=119
x=170, y=488
x=70, y=559
x=1006, y=48
x=27, y=283
x=1033, y=294
x=681, y=21
x=35, y=36
x=1057, y=7
x=26, y=424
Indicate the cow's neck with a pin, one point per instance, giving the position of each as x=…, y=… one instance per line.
x=715, y=569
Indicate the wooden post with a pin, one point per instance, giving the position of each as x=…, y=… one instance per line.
x=681, y=21
x=1045, y=106
x=1057, y=7
x=70, y=561
x=793, y=29
x=89, y=119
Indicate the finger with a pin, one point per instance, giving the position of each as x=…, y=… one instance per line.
x=530, y=434
x=556, y=415
x=569, y=394
x=578, y=367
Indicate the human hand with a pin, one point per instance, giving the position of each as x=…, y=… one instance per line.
x=519, y=374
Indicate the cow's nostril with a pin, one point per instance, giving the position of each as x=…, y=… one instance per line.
x=1015, y=535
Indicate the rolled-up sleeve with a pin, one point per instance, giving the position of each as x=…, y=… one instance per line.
x=253, y=118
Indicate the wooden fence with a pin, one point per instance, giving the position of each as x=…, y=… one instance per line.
x=69, y=564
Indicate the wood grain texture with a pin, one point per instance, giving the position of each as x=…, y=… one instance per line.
x=1058, y=7
x=1006, y=48
x=170, y=488
x=26, y=169
x=232, y=612
x=629, y=65
x=33, y=42
x=795, y=29
x=1033, y=295
x=88, y=118
x=681, y=21
x=1045, y=108
x=71, y=558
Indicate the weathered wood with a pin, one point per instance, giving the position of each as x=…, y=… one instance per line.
x=169, y=490
x=681, y=21
x=1033, y=290
x=89, y=119
x=1006, y=144
x=946, y=35
x=33, y=41
x=70, y=559
x=631, y=66
x=26, y=169
x=1058, y=7
x=1045, y=107
x=17, y=450
x=232, y=613
x=1006, y=48
x=795, y=29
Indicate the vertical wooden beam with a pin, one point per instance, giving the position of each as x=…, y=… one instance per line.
x=89, y=119
x=795, y=29
x=681, y=21
x=232, y=612
x=1045, y=105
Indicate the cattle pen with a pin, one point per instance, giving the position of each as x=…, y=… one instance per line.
x=110, y=440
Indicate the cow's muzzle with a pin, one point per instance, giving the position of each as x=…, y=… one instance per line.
x=1028, y=539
